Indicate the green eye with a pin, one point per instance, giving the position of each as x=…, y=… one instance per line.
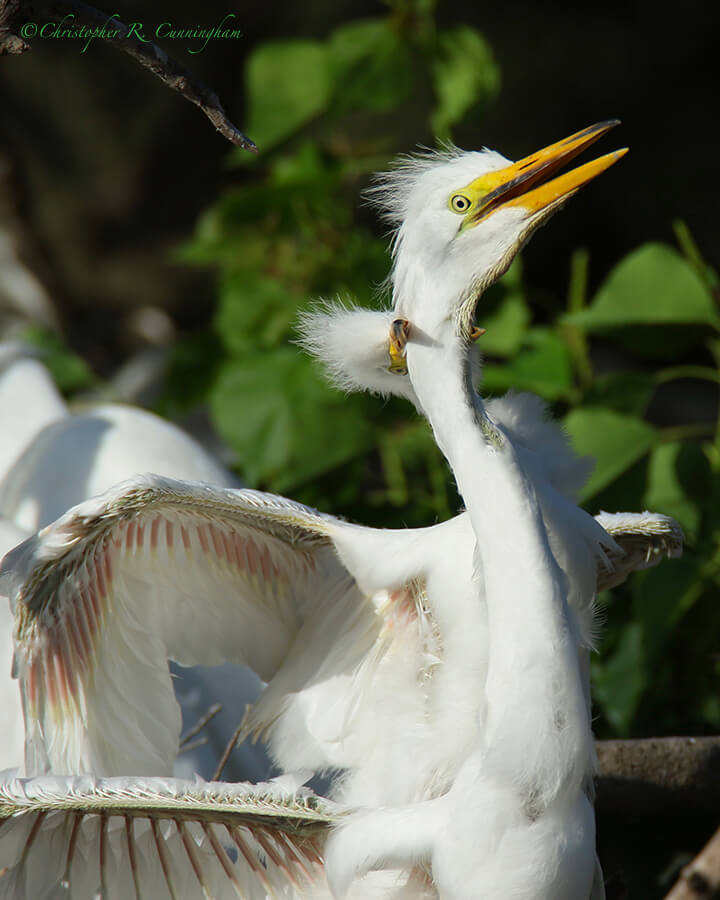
x=459, y=203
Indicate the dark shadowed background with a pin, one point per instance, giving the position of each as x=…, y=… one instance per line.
x=111, y=169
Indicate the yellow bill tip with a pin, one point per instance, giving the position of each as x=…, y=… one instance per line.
x=564, y=186
x=524, y=184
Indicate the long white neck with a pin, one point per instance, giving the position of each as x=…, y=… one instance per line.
x=537, y=728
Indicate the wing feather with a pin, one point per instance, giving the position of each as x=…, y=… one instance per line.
x=644, y=540
x=84, y=837
x=329, y=613
x=158, y=568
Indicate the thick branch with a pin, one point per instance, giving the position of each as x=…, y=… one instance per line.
x=149, y=55
x=655, y=775
x=9, y=41
x=701, y=878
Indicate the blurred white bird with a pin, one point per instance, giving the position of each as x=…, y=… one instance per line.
x=439, y=667
x=51, y=460
x=12, y=725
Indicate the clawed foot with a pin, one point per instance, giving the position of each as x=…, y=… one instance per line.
x=399, y=333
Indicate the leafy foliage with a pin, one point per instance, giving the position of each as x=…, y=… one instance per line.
x=325, y=114
x=69, y=371
x=643, y=289
x=657, y=670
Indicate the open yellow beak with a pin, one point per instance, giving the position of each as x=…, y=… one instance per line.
x=518, y=185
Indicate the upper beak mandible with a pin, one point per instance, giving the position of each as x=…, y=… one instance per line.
x=523, y=183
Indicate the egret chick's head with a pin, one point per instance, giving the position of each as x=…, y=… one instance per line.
x=461, y=217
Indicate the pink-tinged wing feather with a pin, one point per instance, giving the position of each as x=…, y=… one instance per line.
x=154, y=569
x=123, y=838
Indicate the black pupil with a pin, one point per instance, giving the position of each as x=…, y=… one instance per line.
x=460, y=202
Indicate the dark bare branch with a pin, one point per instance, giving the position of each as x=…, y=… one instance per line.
x=656, y=774
x=207, y=717
x=10, y=43
x=148, y=54
x=230, y=746
x=193, y=745
x=701, y=877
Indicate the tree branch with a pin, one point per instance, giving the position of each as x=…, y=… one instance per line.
x=149, y=55
x=654, y=775
x=10, y=43
x=207, y=717
x=701, y=877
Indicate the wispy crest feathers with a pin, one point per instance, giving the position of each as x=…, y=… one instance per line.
x=391, y=190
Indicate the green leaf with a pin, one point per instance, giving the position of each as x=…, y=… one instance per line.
x=255, y=311
x=616, y=441
x=666, y=492
x=192, y=369
x=69, y=371
x=627, y=491
x=653, y=285
x=505, y=314
x=506, y=326
x=372, y=66
x=692, y=254
x=283, y=421
x=625, y=392
x=288, y=84
x=303, y=166
x=464, y=76
x=710, y=711
x=542, y=366
x=620, y=680
x=662, y=597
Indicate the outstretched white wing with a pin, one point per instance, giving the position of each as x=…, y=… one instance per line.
x=154, y=569
x=120, y=838
x=157, y=568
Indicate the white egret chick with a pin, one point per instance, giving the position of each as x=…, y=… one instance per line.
x=516, y=821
